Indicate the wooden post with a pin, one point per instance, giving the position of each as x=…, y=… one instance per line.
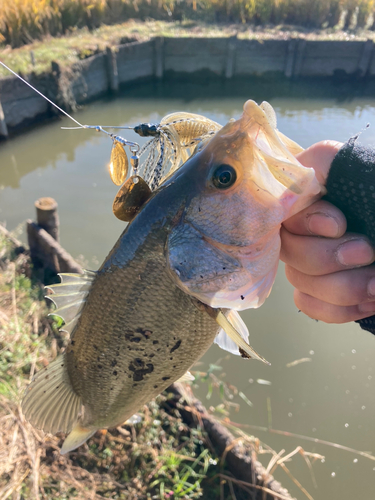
x=47, y=254
x=47, y=216
x=3, y=125
x=159, y=57
x=112, y=69
x=231, y=52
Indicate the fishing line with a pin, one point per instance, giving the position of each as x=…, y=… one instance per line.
x=44, y=97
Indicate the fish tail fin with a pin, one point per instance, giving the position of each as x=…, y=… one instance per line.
x=50, y=402
x=77, y=436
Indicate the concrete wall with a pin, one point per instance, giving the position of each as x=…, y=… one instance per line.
x=225, y=57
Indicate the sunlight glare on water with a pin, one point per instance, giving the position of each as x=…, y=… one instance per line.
x=329, y=393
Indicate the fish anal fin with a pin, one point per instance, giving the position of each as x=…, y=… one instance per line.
x=186, y=377
x=50, y=402
x=76, y=438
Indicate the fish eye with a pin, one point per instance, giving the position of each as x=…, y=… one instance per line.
x=224, y=176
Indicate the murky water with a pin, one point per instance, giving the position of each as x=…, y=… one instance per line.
x=330, y=396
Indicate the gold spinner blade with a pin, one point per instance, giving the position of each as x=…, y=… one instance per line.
x=119, y=164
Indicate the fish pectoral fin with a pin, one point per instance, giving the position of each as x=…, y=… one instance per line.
x=70, y=296
x=77, y=436
x=50, y=402
x=187, y=377
x=224, y=341
x=247, y=350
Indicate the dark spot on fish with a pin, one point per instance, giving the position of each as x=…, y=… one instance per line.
x=155, y=386
x=244, y=354
x=166, y=378
x=242, y=297
x=129, y=376
x=155, y=342
x=73, y=342
x=111, y=388
x=176, y=346
x=171, y=358
x=95, y=347
x=132, y=338
x=114, y=372
x=151, y=355
x=62, y=365
x=174, y=366
x=201, y=276
x=44, y=392
x=46, y=377
x=100, y=367
x=57, y=387
x=140, y=369
x=145, y=333
x=157, y=350
x=113, y=362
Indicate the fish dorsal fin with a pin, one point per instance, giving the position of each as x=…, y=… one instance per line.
x=70, y=296
x=187, y=377
x=245, y=349
x=50, y=403
x=224, y=341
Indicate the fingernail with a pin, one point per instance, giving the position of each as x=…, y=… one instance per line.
x=367, y=307
x=322, y=225
x=371, y=287
x=355, y=253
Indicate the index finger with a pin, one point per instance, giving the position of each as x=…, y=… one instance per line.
x=319, y=219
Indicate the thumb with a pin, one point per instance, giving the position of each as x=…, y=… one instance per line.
x=319, y=156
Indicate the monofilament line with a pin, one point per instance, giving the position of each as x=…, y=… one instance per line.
x=44, y=97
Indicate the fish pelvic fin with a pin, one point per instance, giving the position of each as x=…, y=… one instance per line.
x=50, y=402
x=70, y=296
x=245, y=349
x=224, y=341
x=77, y=436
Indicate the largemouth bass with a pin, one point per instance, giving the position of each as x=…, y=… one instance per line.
x=205, y=245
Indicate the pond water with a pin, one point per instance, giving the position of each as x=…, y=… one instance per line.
x=331, y=395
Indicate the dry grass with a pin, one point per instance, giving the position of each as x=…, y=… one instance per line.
x=22, y=21
x=148, y=460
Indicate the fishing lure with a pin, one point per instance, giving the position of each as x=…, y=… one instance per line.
x=172, y=142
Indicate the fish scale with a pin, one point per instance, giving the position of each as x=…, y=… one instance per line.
x=126, y=352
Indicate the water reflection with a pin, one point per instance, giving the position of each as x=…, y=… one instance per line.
x=332, y=396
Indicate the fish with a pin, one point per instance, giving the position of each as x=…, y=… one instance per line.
x=203, y=246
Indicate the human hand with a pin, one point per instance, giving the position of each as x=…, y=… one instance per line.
x=327, y=266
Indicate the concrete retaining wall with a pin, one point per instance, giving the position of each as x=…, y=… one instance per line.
x=225, y=57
